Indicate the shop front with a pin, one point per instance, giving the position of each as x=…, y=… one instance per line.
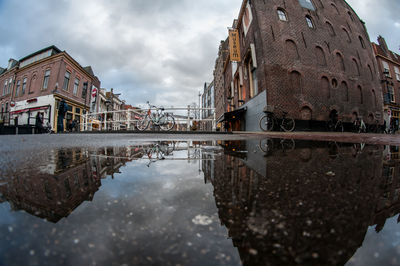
x=73, y=119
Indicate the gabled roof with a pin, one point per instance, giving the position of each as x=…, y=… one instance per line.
x=379, y=51
x=89, y=70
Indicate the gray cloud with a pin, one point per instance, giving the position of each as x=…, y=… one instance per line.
x=158, y=50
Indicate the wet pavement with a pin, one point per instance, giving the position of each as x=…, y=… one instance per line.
x=205, y=200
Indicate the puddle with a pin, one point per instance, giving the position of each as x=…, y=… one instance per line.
x=254, y=202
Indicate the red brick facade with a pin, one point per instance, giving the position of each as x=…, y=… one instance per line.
x=43, y=74
x=310, y=62
x=389, y=69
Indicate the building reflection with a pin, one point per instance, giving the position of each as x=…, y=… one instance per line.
x=286, y=202
x=69, y=177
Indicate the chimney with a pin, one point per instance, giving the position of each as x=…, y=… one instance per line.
x=382, y=44
x=11, y=63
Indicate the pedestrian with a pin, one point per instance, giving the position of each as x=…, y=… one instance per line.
x=62, y=110
x=39, y=123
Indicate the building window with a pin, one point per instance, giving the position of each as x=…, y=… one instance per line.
x=253, y=78
x=361, y=42
x=282, y=15
x=24, y=86
x=18, y=87
x=76, y=86
x=320, y=55
x=386, y=69
x=330, y=29
x=397, y=71
x=347, y=35
x=310, y=23
x=336, y=9
x=350, y=15
x=10, y=82
x=340, y=62
x=5, y=87
x=84, y=90
x=66, y=80
x=391, y=94
x=46, y=79
x=356, y=68
x=370, y=72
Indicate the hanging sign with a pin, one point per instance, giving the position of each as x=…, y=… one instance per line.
x=234, y=45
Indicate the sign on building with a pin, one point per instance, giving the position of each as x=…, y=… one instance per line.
x=93, y=97
x=234, y=45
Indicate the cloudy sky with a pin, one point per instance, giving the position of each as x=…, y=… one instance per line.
x=157, y=50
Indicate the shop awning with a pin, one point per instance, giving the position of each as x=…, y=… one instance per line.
x=233, y=115
x=29, y=110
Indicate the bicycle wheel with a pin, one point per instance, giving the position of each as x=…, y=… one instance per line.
x=339, y=127
x=288, y=124
x=266, y=145
x=167, y=122
x=142, y=123
x=266, y=123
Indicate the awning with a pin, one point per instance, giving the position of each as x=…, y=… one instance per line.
x=233, y=115
x=29, y=110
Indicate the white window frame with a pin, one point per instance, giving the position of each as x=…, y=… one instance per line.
x=386, y=67
x=397, y=72
x=46, y=79
x=76, y=86
x=25, y=80
x=67, y=78
x=5, y=86
x=17, y=88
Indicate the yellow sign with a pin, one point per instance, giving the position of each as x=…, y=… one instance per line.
x=234, y=45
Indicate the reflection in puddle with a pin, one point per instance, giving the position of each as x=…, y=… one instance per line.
x=281, y=201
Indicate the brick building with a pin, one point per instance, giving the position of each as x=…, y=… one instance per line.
x=284, y=205
x=207, y=101
x=38, y=82
x=389, y=69
x=310, y=58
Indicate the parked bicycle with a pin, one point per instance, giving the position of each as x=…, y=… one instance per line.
x=269, y=120
x=268, y=145
x=335, y=125
x=165, y=121
x=359, y=126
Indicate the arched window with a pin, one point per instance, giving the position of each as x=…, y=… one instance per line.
x=291, y=49
x=361, y=94
x=335, y=8
x=32, y=84
x=350, y=15
x=361, y=42
x=310, y=22
x=296, y=82
x=319, y=53
x=370, y=72
x=347, y=35
x=340, y=62
x=282, y=15
x=345, y=91
x=334, y=83
x=330, y=29
x=356, y=68
x=325, y=87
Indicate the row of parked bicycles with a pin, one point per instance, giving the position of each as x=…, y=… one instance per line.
x=155, y=116
x=270, y=122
